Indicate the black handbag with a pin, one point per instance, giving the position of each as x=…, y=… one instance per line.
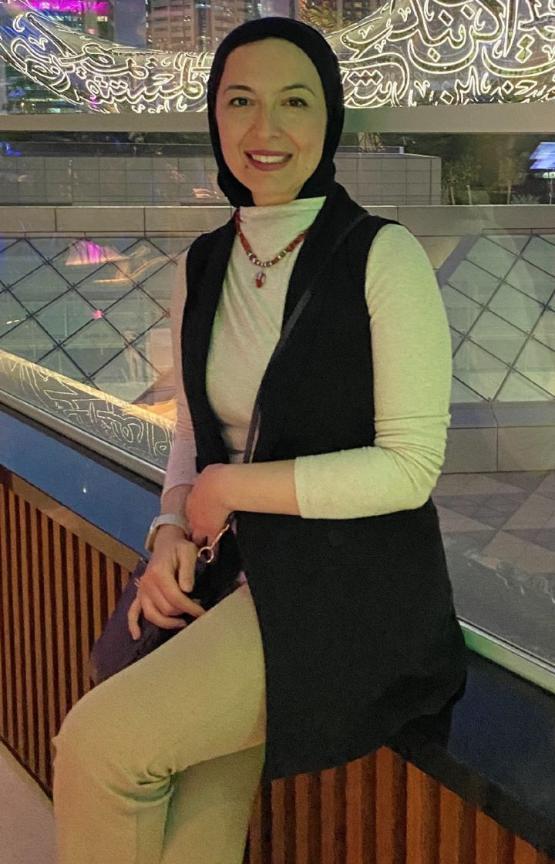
x=216, y=575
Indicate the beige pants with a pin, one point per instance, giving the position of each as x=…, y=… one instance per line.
x=161, y=763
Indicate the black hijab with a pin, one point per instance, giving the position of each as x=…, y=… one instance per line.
x=309, y=40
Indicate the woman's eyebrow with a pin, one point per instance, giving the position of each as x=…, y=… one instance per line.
x=288, y=87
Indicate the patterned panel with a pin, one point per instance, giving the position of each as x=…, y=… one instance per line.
x=408, y=54
x=131, y=428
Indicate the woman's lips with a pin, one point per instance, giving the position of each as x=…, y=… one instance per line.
x=268, y=166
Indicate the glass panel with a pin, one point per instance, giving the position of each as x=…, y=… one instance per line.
x=159, y=286
x=516, y=307
x=480, y=370
x=497, y=336
x=545, y=329
x=94, y=345
x=64, y=316
x=461, y=310
x=59, y=361
x=474, y=281
x=532, y=281
x=27, y=340
x=19, y=259
x=105, y=286
x=134, y=314
x=11, y=312
x=538, y=363
x=491, y=257
x=128, y=376
x=39, y=288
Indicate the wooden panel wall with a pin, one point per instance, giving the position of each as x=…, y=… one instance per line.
x=60, y=578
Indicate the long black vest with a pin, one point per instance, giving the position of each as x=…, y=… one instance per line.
x=356, y=615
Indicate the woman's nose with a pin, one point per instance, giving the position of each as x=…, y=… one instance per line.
x=266, y=121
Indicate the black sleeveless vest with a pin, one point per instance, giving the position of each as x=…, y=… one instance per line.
x=356, y=615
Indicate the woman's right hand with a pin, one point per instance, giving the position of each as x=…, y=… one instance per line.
x=160, y=596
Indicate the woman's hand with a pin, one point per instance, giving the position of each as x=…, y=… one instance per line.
x=159, y=596
x=205, y=509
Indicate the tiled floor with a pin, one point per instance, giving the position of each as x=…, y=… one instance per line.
x=499, y=535
x=26, y=822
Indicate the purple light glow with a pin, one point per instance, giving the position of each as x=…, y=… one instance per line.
x=73, y=7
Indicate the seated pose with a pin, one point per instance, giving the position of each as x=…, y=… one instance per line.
x=341, y=628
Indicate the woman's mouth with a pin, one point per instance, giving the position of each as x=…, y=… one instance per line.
x=268, y=162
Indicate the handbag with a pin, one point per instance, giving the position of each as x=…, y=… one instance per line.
x=115, y=649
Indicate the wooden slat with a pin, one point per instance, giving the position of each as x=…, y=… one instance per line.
x=58, y=612
x=278, y=822
x=70, y=624
x=29, y=688
x=422, y=817
x=493, y=843
x=7, y=660
x=457, y=829
x=3, y=572
x=39, y=642
x=84, y=615
x=390, y=807
x=524, y=853
x=47, y=582
x=19, y=743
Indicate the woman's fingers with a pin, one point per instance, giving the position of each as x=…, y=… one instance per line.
x=133, y=618
x=166, y=622
x=169, y=599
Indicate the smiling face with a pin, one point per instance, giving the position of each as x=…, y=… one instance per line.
x=271, y=106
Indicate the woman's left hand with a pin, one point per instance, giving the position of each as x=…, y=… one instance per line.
x=205, y=509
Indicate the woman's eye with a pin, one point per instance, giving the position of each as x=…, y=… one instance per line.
x=235, y=98
x=303, y=103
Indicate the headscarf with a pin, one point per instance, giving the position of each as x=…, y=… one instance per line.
x=309, y=40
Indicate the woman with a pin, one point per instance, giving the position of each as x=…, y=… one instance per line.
x=343, y=631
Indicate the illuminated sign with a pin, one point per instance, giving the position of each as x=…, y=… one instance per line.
x=543, y=159
x=408, y=52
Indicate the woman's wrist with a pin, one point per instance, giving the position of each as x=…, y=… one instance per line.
x=171, y=533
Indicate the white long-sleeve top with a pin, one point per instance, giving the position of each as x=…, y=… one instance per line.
x=411, y=356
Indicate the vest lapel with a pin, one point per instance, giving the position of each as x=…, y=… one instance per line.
x=206, y=266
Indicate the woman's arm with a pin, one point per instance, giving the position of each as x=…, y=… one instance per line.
x=411, y=351
x=181, y=470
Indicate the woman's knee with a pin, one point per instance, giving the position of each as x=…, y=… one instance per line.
x=86, y=738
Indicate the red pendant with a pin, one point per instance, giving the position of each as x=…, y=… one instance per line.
x=260, y=278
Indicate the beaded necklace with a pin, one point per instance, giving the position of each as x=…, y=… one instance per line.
x=260, y=277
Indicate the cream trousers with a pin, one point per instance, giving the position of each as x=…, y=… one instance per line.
x=161, y=763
